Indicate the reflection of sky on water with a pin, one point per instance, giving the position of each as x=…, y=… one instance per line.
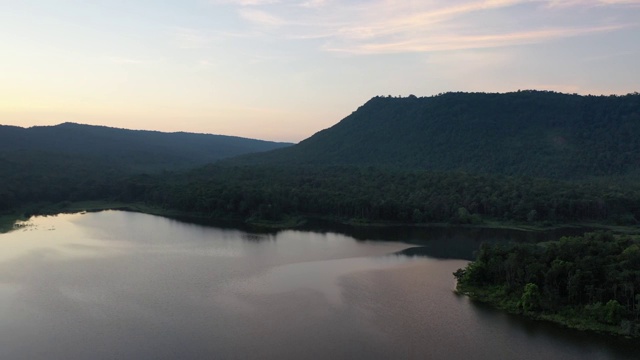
x=123, y=282
x=125, y=285
x=51, y=236
x=320, y=276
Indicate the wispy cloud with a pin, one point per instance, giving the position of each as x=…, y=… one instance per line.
x=315, y=3
x=461, y=42
x=589, y=3
x=244, y=2
x=261, y=17
x=621, y=2
x=397, y=26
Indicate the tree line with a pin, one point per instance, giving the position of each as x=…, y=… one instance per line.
x=343, y=193
x=587, y=280
x=373, y=194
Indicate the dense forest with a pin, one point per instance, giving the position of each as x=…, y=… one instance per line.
x=340, y=193
x=367, y=194
x=32, y=178
x=524, y=133
x=452, y=158
x=132, y=151
x=590, y=282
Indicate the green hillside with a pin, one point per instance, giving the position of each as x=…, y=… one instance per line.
x=73, y=162
x=538, y=158
x=129, y=150
x=531, y=133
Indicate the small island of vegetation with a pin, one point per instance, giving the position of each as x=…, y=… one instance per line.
x=587, y=283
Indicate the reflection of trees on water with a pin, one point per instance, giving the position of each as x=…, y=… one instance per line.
x=444, y=242
x=253, y=237
x=616, y=347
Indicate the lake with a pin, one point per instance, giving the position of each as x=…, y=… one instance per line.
x=122, y=285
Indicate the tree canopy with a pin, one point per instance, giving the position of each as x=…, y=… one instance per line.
x=587, y=281
x=524, y=133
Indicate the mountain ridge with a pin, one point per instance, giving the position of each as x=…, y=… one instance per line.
x=137, y=149
x=531, y=133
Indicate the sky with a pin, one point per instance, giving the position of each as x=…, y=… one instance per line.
x=284, y=69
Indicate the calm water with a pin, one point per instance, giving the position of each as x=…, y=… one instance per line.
x=118, y=285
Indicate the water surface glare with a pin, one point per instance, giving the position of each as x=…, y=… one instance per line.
x=120, y=285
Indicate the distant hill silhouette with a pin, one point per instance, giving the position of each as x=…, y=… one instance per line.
x=131, y=150
x=531, y=133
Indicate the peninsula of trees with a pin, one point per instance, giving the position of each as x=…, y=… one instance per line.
x=588, y=283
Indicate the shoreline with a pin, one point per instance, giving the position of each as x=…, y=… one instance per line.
x=8, y=220
x=508, y=305
x=493, y=297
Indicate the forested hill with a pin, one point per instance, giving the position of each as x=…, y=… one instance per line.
x=531, y=133
x=135, y=150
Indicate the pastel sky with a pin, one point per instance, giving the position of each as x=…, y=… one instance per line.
x=285, y=69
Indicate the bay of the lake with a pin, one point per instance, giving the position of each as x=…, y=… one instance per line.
x=122, y=285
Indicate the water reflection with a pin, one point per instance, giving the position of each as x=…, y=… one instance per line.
x=257, y=237
x=593, y=346
x=125, y=285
